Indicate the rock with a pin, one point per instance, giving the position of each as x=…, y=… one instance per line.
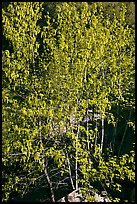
x=62, y=200
x=76, y=196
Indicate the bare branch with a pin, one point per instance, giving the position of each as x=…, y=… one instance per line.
x=70, y=170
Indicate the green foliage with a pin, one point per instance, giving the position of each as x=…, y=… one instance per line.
x=59, y=65
x=113, y=8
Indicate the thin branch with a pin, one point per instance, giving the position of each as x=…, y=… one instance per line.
x=95, y=118
x=87, y=126
x=76, y=165
x=115, y=130
x=54, y=170
x=20, y=96
x=45, y=165
x=25, y=177
x=55, y=174
x=70, y=170
x=102, y=136
x=27, y=186
x=49, y=182
x=61, y=182
x=16, y=154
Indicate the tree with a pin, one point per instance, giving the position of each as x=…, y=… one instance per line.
x=113, y=8
x=58, y=68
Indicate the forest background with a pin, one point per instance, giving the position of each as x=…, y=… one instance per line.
x=68, y=98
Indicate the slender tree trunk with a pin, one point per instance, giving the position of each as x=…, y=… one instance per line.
x=102, y=135
x=96, y=136
x=49, y=182
x=87, y=133
x=115, y=131
x=76, y=165
x=87, y=128
x=102, y=119
x=70, y=174
x=45, y=165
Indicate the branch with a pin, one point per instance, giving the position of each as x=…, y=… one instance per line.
x=31, y=183
x=76, y=165
x=102, y=138
x=49, y=182
x=45, y=166
x=70, y=170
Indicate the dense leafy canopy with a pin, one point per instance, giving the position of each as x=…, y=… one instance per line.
x=54, y=69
